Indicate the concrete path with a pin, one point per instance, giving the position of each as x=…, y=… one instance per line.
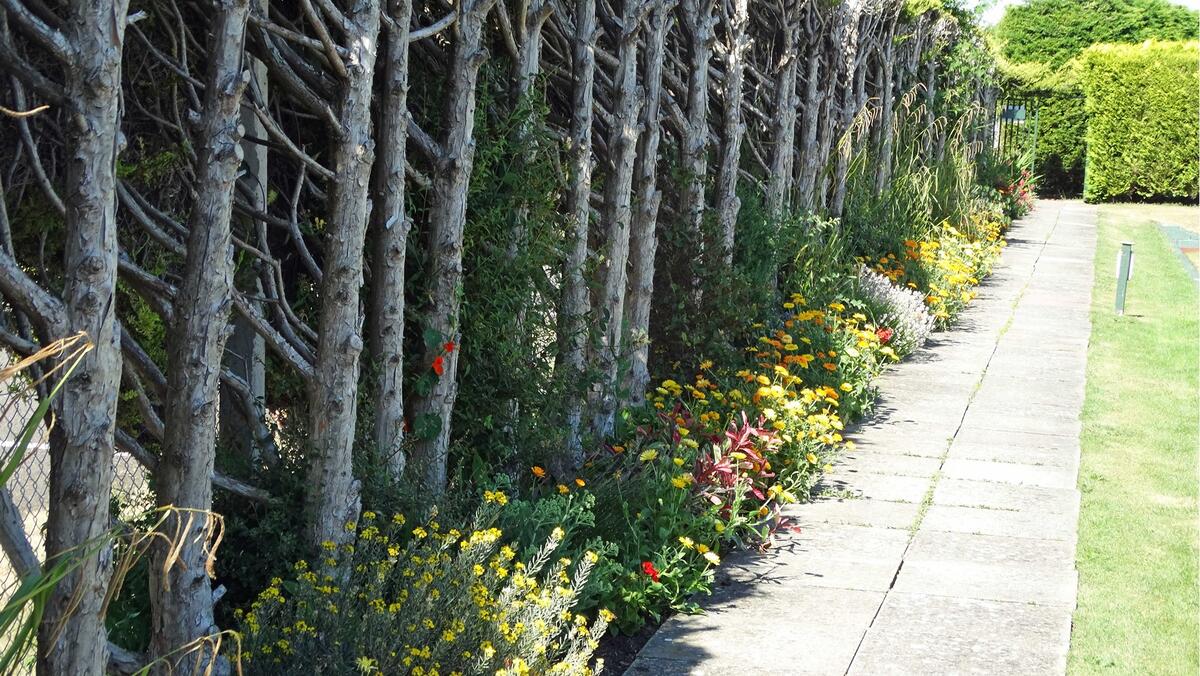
x=946, y=541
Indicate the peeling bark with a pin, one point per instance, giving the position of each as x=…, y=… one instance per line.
x=71, y=637
x=618, y=212
x=333, y=499
x=643, y=240
x=181, y=598
x=698, y=24
x=447, y=218
x=733, y=129
x=783, y=122
x=572, y=329
x=391, y=226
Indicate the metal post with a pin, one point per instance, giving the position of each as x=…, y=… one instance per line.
x=1124, y=272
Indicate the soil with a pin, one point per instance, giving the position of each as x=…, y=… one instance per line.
x=619, y=651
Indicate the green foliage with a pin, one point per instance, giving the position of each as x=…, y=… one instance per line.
x=426, y=599
x=1038, y=42
x=1053, y=32
x=1142, y=127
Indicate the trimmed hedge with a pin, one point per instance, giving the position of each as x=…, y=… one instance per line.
x=1142, y=132
x=1038, y=42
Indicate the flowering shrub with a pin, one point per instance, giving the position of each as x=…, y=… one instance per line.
x=905, y=320
x=707, y=464
x=947, y=267
x=425, y=601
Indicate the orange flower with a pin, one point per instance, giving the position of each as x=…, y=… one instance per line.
x=538, y=472
x=439, y=365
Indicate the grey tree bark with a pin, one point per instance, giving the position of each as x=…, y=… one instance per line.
x=618, y=211
x=643, y=239
x=447, y=217
x=733, y=129
x=71, y=637
x=391, y=226
x=783, y=121
x=181, y=598
x=572, y=328
x=698, y=26
x=333, y=499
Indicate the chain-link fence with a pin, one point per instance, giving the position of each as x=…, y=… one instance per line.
x=30, y=484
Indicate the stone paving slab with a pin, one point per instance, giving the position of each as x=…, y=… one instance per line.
x=922, y=634
x=953, y=492
x=1048, y=524
x=1008, y=472
x=888, y=463
x=820, y=625
x=859, y=512
x=943, y=543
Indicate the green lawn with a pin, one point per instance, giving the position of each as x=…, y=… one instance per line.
x=1138, y=596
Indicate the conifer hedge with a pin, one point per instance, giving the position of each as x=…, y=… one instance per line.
x=1143, y=131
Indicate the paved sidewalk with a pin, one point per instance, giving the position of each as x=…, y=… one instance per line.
x=946, y=544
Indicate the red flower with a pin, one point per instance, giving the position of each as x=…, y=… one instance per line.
x=885, y=334
x=439, y=365
x=448, y=347
x=648, y=569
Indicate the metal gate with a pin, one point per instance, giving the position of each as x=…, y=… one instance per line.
x=1016, y=133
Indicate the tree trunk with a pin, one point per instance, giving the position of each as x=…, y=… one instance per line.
x=728, y=203
x=887, y=97
x=447, y=217
x=572, y=329
x=643, y=240
x=698, y=24
x=618, y=212
x=851, y=84
x=783, y=124
x=333, y=497
x=71, y=637
x=390, y=241
x=810, y=122
x=181, y=595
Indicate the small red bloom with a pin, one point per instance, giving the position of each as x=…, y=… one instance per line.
x=448, y=347
x=648, y=569
x=439, y=365
x=885, y=334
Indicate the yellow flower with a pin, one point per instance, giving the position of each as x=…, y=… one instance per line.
x=681, y=481
x=686, y=541
x=712, y=558
x=706, y=364
x=648, y=455
x=563, y=489
x=846, y=387
x=678, y=461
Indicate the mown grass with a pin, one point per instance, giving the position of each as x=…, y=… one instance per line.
x=1137, y=553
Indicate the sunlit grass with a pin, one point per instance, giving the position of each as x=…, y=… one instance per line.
x=1137, y=554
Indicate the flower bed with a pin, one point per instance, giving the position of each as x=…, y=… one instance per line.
x=706, y=465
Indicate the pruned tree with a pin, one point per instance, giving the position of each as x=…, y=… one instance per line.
x=452, y=160
x=643, y=237
x=617, y=211
x=182, y=599
x=575, y=306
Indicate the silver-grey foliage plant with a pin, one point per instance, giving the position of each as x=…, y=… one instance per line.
x=904, y=310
